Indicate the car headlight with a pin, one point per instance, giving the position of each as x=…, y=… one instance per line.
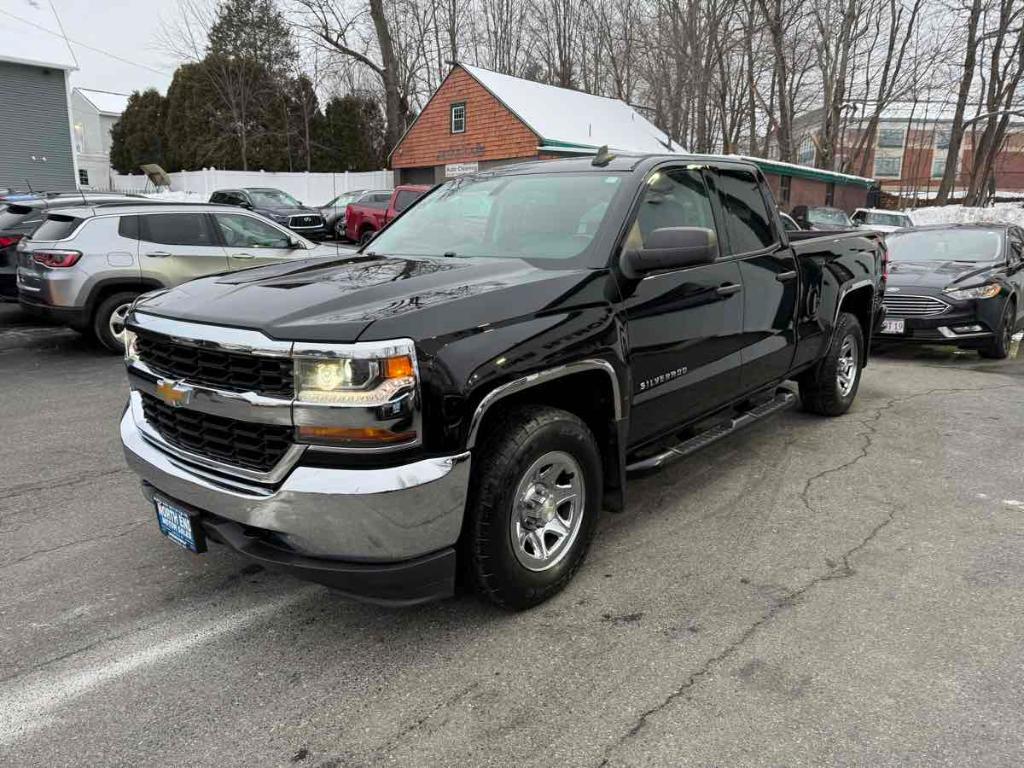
x=131, y=346
x=977, y=292
x=377, y=381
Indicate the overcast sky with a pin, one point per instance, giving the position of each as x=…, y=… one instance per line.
x=126, y=29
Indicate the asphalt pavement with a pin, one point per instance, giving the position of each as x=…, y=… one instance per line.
x=810, y=592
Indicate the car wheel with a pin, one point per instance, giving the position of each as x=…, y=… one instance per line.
x=534, y=500
x=830, y=387
x=999, y=347
x=366, y=236
x=108, y=322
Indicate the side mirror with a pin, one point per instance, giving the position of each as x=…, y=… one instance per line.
x=671, y=248
x=293, y=243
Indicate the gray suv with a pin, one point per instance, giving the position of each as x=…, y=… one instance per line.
x=84, y=266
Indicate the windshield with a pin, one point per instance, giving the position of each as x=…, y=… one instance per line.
x=828, y=216
x=945, y=245
x=536, y=216
x=342, y=199
x=272, y=198
x=885, y=219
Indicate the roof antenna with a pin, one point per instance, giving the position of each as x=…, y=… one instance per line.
x=603, y=157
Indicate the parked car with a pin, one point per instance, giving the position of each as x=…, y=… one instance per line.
x=480, y=396
x=365, y=218
x=85, y=265
x=277, y=206
x=881, y=221
x=369, y=197
x=960, y=284
x=20, y=219
x=821, y=218
x=334, y=211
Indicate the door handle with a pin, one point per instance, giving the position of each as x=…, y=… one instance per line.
x=783, y=277
x=242, y=256
x=158, y=254
x=728, y=289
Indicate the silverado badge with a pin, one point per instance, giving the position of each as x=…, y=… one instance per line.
x=175, y=393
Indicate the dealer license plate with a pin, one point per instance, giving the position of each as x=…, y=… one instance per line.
x=894, y=326
x=177, y=525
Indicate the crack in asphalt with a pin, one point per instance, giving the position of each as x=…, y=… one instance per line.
x=837, y=570
x=77, y=542
x=16, y=491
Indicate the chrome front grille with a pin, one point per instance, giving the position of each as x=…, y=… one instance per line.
x=900, y=305
x=258, y=447
x=217, y=368
x=305, y=221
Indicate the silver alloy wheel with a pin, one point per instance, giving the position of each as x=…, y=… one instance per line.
x=547, y=511
x=846, y=368
x=116, y=321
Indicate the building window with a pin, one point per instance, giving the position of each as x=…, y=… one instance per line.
x=83, y=177
x=785, y=188
x=942, y=134
x=891, y=137
x=459, y=117
x=938, y=167
x=888, y=167
x=830, y=194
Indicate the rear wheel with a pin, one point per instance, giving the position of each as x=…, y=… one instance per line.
x=366, y=236
x=830, y=387
x=108, y=322
x=999, y=347
x=534, y=502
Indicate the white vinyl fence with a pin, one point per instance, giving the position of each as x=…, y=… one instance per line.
x=310, y=188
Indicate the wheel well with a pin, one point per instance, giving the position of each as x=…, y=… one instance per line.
x=588, y=395
x=859, y=303
x=105, y=290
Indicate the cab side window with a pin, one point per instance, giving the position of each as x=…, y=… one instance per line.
x=675, y=197
x=747, y=222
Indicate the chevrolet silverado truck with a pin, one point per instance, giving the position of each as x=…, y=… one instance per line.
x=371, y=213
x=464, y=395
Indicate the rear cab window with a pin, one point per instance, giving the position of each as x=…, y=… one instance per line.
x=56, y=226
x=748, y=225
x=405, y=198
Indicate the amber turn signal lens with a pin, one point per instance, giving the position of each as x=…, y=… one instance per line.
x=398, y=367
x=354, y=435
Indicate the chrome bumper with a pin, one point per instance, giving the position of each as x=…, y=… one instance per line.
x=358, y=515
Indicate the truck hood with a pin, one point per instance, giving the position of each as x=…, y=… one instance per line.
x=338, y=300
x=938, y=274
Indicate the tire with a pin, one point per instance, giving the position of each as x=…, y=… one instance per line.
x=104, y=321
x=999, y=347
x=512, y=506
x=366, y=235
x=826, y=389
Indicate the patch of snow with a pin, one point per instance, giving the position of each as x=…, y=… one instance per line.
x=1000, y=213
x=171, y=196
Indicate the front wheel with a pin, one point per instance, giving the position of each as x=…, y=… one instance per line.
x=534, y=502
x=999, y=347
x=108, y=322
x=829, y=388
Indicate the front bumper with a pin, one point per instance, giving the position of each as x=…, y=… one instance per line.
x=942, y=329
x=384, y=535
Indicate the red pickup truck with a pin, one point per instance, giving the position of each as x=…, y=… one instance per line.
x=366, y=217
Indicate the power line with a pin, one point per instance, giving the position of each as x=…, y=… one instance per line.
x=84, y=45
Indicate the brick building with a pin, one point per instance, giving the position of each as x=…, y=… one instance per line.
x=479, y=119
x=908, y=153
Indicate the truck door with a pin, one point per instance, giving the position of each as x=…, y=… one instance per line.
x=684, y=326
x=769, y=272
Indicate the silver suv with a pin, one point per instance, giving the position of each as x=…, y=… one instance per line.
x=84, y=266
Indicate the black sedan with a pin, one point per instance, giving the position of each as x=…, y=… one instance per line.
x=955, y=284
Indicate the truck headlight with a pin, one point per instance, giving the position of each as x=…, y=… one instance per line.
x=357, y=396
x=978, y=292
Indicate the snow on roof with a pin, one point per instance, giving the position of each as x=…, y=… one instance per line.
x=560, y=116
x=106, y=102
x=33, y=35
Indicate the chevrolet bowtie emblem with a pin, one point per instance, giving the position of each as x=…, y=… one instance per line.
x=175, y=393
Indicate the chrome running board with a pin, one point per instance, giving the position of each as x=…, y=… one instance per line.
x=783, y=399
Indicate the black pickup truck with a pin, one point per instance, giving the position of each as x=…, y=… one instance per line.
x=467, y=392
